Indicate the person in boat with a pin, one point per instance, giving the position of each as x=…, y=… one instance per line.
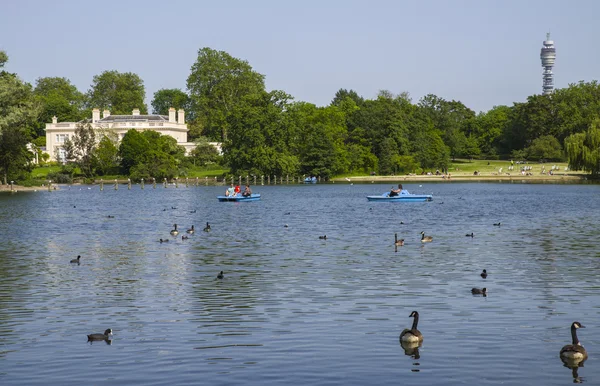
x=395, y=192
x=237, y=190
x=230, y=191
x=247, y=191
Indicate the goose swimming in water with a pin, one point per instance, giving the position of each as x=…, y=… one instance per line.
x=412, y=335
x=497, y=224
x=398, y=243
x=104, y=336
x=574, y=353
x=207, y=227
x=174, y=231
x=76, y=261
x=323, y=237
x=426, y=239
x=470, y=234
x=191, y=230
x=220, y=275
x=484, y=274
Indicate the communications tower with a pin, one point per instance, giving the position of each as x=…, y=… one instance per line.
x=548, y=55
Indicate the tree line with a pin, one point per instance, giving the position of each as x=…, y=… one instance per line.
x=268, y=132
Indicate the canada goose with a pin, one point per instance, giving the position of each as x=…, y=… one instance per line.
x=398, y=243
x=575, y=352
x=484, y=274
x=477, y=291
x=497, y=224
x=191, y=230
x=323, y=237
x=207, y=227
x=426, y=239
x=470, y=234
x=76, y=261
x=174, y=231
x=220, y=275
x=104, y=336
x=163, y=240
x=412, y=335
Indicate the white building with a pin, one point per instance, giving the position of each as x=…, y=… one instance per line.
x=58, y=132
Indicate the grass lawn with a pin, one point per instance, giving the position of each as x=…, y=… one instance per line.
x=466, y=167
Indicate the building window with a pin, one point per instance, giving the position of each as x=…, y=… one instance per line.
x=61, y=138
x=62, y=156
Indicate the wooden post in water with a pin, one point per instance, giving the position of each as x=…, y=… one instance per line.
x=268, y=179
x=287, y=179
x=153, y=183
x=281, y=180
x=206, y=181
x=275, y=179
x=165, y=182
x=262, y=180
x=129, y=184
x=116, y=184
x=142, y=184
x=247, y=182
x=197, y=181
x=49, y=185
x=187, y=184
x=101, y=184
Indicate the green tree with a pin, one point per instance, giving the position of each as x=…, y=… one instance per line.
x=342, y=94
x=118, y=92
x=204, y=152
x=149, y=154
x=80, y=150
x=106, y=155
x=172, y=97
x=430, y=151
x=60, y=99
x=216, y=84
x=18, y=112
x=545, y=148
x=583, y=149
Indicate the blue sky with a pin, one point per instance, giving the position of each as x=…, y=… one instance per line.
x=480, y=52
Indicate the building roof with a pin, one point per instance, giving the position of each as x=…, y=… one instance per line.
x=129, y=118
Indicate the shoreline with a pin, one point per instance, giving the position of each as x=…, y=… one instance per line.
x=558, y=177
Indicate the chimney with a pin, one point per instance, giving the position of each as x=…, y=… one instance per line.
x=54, y=119
x=172, y=115
x=135, y=112
x=181, y=116
x=95, y=115
x=105, y=114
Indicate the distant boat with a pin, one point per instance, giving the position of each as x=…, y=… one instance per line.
x=239, y=197
x=310, y=180
x=401, y=197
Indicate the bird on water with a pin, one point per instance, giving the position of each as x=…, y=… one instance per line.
x=412, y=335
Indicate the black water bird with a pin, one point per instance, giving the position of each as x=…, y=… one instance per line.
x=470, y=234
x=75, y=261
x=184, y=237
x=163, y=240
x=484, y=274
x=477, y=291
x=220, y=275
x=105, y=336
x=497, y=224
x=324, y=237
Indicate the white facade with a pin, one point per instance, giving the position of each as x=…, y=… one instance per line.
x=58, y=132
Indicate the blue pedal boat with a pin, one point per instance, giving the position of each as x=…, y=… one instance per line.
x=239, y=198
x=401, y=197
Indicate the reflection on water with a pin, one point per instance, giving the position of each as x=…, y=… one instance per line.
x=293, y=307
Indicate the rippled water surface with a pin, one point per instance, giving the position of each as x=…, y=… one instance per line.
x=293, y=308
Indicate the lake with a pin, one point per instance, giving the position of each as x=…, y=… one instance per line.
x=293, y=308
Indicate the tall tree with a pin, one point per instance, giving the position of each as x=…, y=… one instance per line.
x=583, y=149
x=81, y=150
x=60, y=99
x=118, y=92
x=216, y=84
x=18, y=112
